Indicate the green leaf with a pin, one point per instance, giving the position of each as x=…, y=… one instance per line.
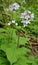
x=3, y=58
x=21, y=61
x=23, y=40
x=12, y=54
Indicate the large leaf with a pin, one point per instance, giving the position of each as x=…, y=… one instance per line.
x=3, y=58
x=23, y=40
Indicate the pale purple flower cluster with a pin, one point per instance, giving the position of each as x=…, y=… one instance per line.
x=26, y=17
x=14, y=6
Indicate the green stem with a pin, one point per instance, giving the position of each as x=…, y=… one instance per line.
x=18, y=42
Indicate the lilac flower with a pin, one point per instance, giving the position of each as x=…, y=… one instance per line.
x=23, y=14
x=26, y=17
x=10, y=8
x=14, y=6
x=25, y=22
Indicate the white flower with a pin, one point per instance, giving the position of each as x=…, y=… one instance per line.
x=24, y=1
x=9, y=23
x=24, y=25
x=16, y=24
x=22, y=16
x=24, y=13
x=29, y=12
x=32, y=16
x=23, y=21
x=13, y=21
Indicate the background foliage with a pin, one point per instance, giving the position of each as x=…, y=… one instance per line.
x=14, y=48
